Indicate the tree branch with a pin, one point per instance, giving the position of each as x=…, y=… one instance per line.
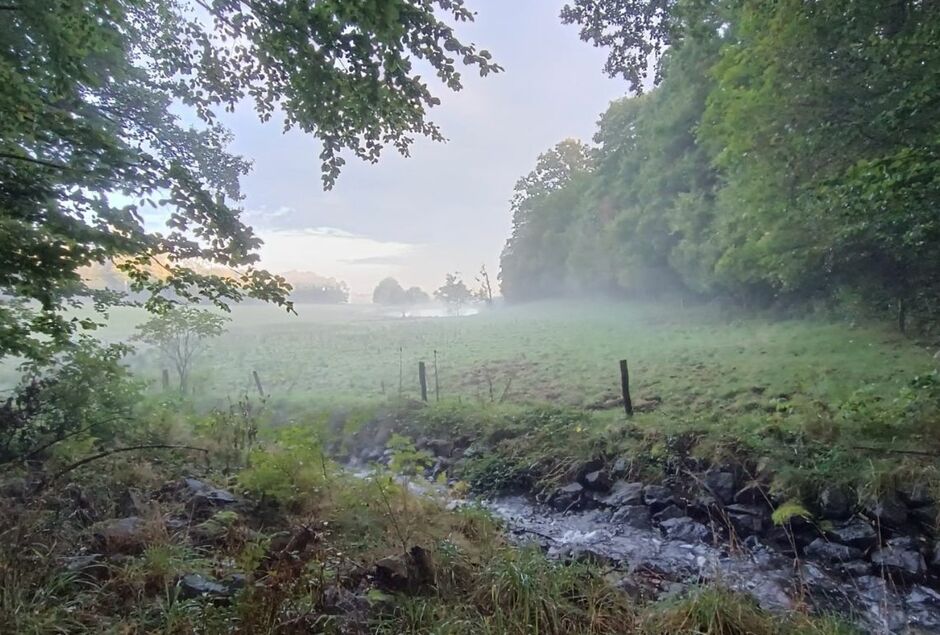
x=48, y=164
x=107, y=453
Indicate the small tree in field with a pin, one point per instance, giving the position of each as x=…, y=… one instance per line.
x=485, y=292
x=181, y=333
x=454, y=293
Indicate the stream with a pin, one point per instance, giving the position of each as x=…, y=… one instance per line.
x=647, y=562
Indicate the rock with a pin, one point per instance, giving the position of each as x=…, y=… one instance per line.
x=589, y=556
x=392, y=571
x=14, y=487
x=235, y=582
x=205, y=496
x=835, y=503
x=194, y=585
x=915, y=495
x=597, y=481
x=935, y=560
x=568, y=497
x=923, y=608
x=686, y=530
x=624, y=493
x=124, y=535
x=888, y=512
x=751, y=494
x=856, y=533
x=855, y=568
x=440, y=447
x=636, y=516
x=658, y=497
x=926, y=517
x=131, y=503
x=746, y=520
x=721, y=485
x=906, y=563
x=90, y=565
x=621, y=467
x=832, y=552
x=672, y=511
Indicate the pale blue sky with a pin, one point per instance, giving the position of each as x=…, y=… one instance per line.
x=445, y=208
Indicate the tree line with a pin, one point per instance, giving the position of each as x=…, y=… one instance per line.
x=789, y=153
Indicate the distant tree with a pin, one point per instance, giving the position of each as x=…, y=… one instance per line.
x=312, y=288
x=485, y=292
x=416, y=295
x=454, y=293
x=389, y=293
x=180, y=333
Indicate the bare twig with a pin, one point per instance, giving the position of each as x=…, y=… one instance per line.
x=133, y=448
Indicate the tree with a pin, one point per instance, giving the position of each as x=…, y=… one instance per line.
x=180, y=334
x=389, y=293
x=88, y=140
x=415, y=296
x=485, y=292
x=454, y=293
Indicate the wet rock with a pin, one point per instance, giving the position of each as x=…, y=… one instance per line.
x=747, y=519
x=667, y=513
x=131, y=503
x=123, y=535
x=235, y=582
x=899, y=561
x=92, y=565
x=832, y=552
x=926, y=517
x=621, y=467
x=405, y=572
x=568, y=497
x=915, y=495
x=597, y=481
x=835, y=502
x=624, y=493
x=658, y=497
x=589, y=556
x=721, y=485
x=856, y=533
x=440, y=447
x=636, y=516
x=855, y=568
x=194, y=585
x=751, y=494
x=686, y=530
x=888, y=512
x=392, y=571
x=205, y=496
x=935, y=560
x=923, y=607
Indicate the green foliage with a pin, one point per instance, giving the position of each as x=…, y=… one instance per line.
x=292, y=472
x=85, y=394
x=89, y=142
x=788, y=511
x=494, y=474
x=406, y=459
x=454, y=293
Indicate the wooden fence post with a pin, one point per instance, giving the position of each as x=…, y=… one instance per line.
x=258, y=383
x=625, y=388
x=166, y=380
x=437, y=385
x=422, y=377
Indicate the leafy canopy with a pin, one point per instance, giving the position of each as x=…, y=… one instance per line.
x=91, y=147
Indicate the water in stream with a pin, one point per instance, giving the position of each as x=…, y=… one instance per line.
x=645, y=557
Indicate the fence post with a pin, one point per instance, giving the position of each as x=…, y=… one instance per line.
x=166, y=380
x=437, y=385
x=258, y=383
x=625, y=388
x=422, y=377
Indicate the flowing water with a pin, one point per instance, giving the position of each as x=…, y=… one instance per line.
x=646, y=559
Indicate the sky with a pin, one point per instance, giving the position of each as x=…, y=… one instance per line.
x=446, y=208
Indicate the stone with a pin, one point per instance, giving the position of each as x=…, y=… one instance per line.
x=123, y=535
x=935, y=560
x=392, y=571
x=635, y=516
x=658, y=496
x=832, y=552
x=440, y=447
x=597, y=481
x=915, y=495
x=669, y=512
x=194, y=585
x=855, y=568
x=568, y=497
x=746, y=524
x=621, y=467
x=926, y=516
x=856, y=533
x=721, y=485
x=906, y=563
x=14, y=487
x=90, y=565
x=589, y=556
x=888, y=512
x=751, y=494
x=835, y=502
x=131, y=503
x=624, y=493
x=686, y=530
